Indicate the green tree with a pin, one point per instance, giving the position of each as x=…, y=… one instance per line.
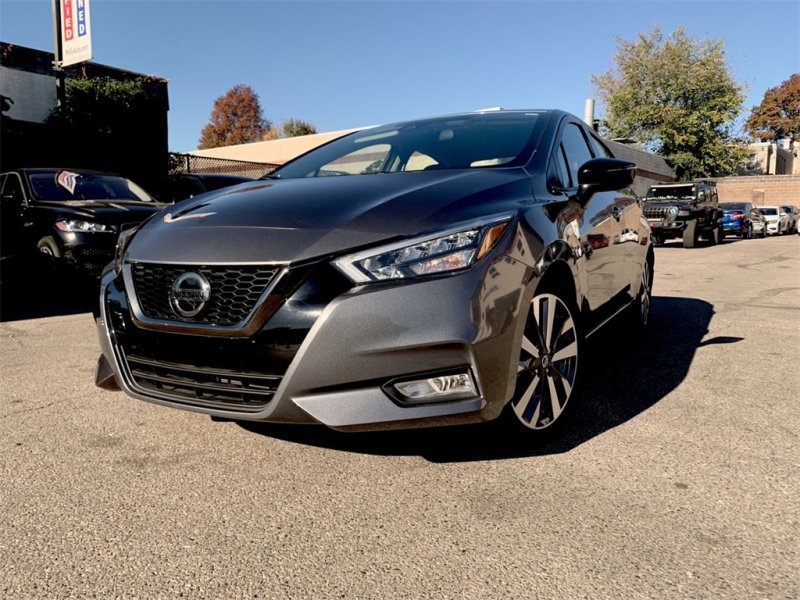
x=296, y=127
x=101, y=105
x=235, y=119
x=778, y=115
x=289, y=128
x=677, y=96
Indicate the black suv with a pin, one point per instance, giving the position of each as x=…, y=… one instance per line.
x=72, y=217
x=688, y=210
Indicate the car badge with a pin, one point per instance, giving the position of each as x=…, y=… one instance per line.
x=168, y=218
x=189, y=294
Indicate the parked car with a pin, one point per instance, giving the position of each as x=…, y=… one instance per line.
x=688, y=211
x=759, y=225
x=439, y=279
x=792, y=218
x=71, y=216
x=777, y=219
x=742, y=219
x=174, y=188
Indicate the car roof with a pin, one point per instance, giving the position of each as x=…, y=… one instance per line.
x=680, y=184
x=487, y=111
x=210, y=176
x=59, y=169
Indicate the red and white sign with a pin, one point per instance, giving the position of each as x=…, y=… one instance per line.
x=76, y=35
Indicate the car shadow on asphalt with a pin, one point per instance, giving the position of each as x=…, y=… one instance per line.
x=625, y=378
x=30, y=299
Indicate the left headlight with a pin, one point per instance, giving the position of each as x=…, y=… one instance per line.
x=456, y=248
x=80, y=226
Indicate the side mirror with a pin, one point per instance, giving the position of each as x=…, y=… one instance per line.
x=604, y=175
x=783, y=214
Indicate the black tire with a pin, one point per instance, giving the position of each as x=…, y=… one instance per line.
x=749, y=234
x=712, y=236
x=548, y=368
x=690, y=234
x=764, y=232
x=51, y=260
x=638, y=313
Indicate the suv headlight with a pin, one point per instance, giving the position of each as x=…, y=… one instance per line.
x=456, y=248
x=80, y=226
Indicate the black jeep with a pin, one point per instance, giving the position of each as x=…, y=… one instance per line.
x=688, y=210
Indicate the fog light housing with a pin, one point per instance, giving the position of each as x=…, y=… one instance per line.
x=439, y=387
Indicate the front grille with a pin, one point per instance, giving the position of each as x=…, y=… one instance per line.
x=202, y=375
x=655, y=212
x=91, y=258
x=234, y=290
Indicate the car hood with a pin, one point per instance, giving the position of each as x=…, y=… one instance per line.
x=108, y=212
x=299, y=219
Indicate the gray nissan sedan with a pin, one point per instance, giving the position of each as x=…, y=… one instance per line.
x=432, y=272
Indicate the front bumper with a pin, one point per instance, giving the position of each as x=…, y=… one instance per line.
x=736, y=227
x=88, y=252
x=327, y=359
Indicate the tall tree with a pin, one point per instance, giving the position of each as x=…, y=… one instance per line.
x=677, y=96
x=778, y=115
x=235, y=119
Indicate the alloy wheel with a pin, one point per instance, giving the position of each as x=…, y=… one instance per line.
x=548, y=363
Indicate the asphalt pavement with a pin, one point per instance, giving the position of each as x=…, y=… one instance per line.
x=678, y=480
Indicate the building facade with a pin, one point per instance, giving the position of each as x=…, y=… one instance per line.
x=28, y=97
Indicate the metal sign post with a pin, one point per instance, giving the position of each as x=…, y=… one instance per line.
x=72, y=39
x=60, y=83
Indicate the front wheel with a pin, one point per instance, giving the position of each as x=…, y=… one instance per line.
x=690, y=234
x=749, y=234
x=713, y=236
x=547, y=369
x=50, y=254
x=638, y=313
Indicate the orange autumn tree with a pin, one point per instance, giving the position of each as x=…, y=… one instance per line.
x=778, y=115
x=236, y=118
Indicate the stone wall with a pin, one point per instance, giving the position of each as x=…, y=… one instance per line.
x=762, y=190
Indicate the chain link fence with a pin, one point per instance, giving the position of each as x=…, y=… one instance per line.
x=189, y=163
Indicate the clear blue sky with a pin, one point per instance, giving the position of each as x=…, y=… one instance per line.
x=344, y=64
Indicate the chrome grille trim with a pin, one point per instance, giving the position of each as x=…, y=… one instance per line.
x=246, y=327
x=653, y=212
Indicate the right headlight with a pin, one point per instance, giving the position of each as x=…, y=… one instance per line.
x=456, y=248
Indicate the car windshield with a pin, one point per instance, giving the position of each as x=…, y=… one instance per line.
x=74, y=185
x=733, y=206
x=769, y=211
x=683, y=192
x=476, y=141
